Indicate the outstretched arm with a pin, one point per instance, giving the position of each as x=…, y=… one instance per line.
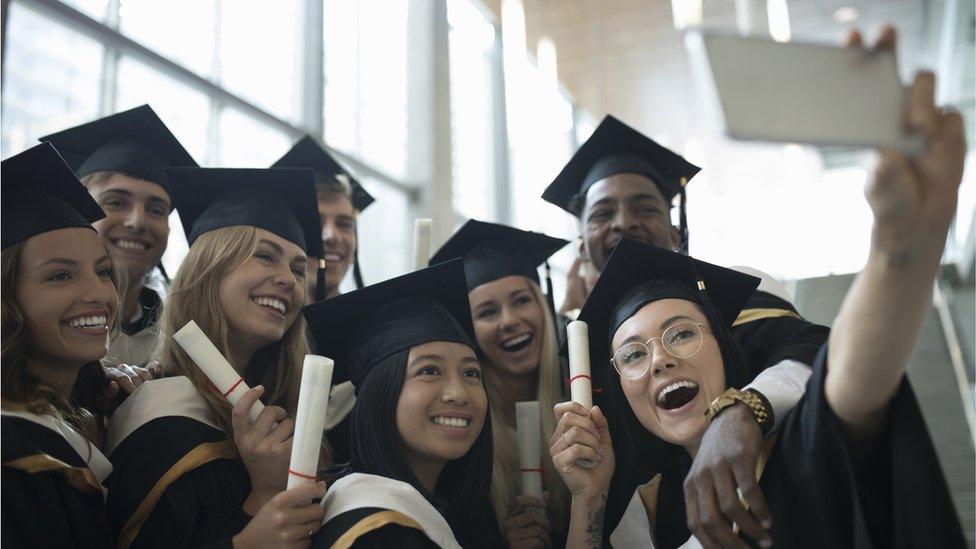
x=913, y=200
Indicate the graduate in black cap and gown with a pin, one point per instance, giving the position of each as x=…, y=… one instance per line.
x=515, y=326
x=120, y=160
x=420, y=468
x=620, y=183
x=189, y=469
x=339, y=199
x=60, y=301
x=852, y=465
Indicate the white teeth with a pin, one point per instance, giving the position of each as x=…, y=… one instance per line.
x=676, y=385
x=130, y=245
x=276, y=304
x=516, y=341
x=331, y=257
x=88, y=322
x=450, y=421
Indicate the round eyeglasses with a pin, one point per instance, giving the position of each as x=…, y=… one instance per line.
x=681, y=340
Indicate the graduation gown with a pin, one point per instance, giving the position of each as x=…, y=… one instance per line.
x=371, y=511
x=769, y=330
x=177, y=482
x=51, y=485
x=136, y=341
x=815, y=492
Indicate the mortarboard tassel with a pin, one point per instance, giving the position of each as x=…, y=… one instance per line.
x=357, y=275
x=320, y=281
x=550, y=300
x=162, y=272
x=683, y=219
x=734, y=377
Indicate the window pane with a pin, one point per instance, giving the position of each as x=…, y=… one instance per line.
x=472, y=39
x=51, y=77
x=366, y=81
x=247, y=143
x=184, y=110
x=385, y=233
x=259, y=53
x=182, y=30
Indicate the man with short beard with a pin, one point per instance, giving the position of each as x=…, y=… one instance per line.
x=621, y=184
x=120, y=160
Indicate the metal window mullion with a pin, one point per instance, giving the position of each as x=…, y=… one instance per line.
x=500, y=145
x=311, y=94
x=81, y=23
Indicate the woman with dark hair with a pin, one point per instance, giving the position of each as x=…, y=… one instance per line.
x=420, y=466
x=60, y=302
x=852, y=465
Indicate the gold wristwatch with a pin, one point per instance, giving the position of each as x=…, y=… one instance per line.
x=756, y=403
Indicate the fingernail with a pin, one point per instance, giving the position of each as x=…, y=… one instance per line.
x=766, y=543
x=767, y=524
x=260, y=387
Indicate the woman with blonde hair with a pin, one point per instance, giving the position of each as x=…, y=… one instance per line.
x=515, y=328
x=191, y=469
x=60, y=301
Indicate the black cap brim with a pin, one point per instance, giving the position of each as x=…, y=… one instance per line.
x=491, y=251
x=135, y=142
x=213, y=198
x=308, y=153
x=634, y=263
x=621, y=149
x=335, y=323
x=41, y=194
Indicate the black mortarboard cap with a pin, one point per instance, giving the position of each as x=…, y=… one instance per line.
x=135, y=142
x=637, y=274
x=307, y=153
x=279, y=200
x=361, y=328
x=41, y=194
x=616, y=148
x=491, y=251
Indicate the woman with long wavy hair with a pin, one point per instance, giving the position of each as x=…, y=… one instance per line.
x=189, y=468
x=515, y=328
x=60, y=302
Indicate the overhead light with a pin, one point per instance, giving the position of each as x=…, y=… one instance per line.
x=779, y=20
x=846, y=14
x=686, y=13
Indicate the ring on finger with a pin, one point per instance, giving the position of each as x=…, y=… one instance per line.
x=518, y=521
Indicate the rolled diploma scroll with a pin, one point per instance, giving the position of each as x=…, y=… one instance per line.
x=213, y=364
x=313, y=401
x=529, y=447
x=421, y=242
x=580, y=383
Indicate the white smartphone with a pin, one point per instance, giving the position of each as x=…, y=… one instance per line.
x=808, y=93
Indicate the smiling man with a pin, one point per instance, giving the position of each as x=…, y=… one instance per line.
x=621, y=184
x=120, y=160
x=340, y=199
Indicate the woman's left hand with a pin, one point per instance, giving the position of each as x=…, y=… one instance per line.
x=527, y=527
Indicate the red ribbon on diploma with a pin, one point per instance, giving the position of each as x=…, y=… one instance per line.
x=297, y=474
x=234, y=386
